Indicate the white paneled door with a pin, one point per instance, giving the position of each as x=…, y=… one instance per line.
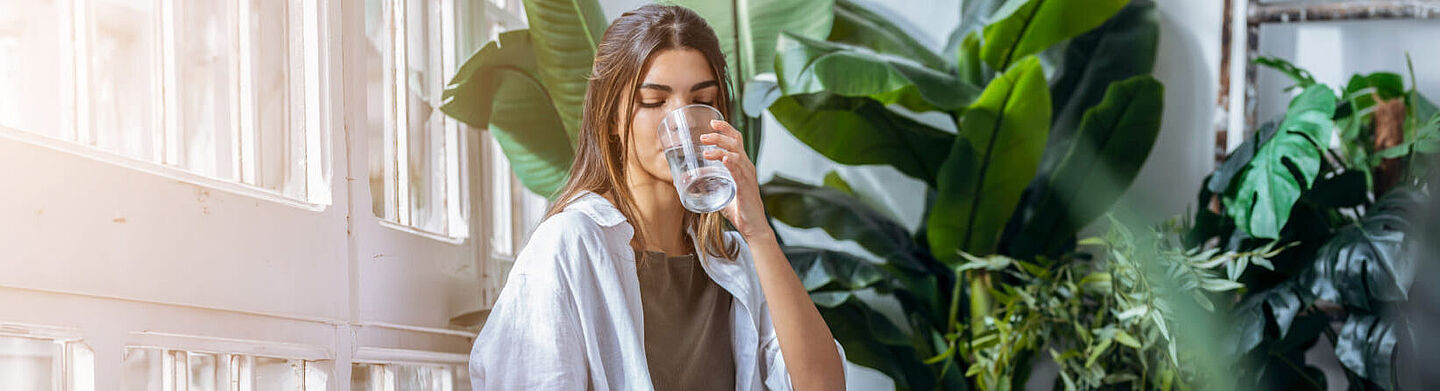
x=245, y=195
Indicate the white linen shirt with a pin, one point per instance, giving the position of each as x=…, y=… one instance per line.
x=569, y=317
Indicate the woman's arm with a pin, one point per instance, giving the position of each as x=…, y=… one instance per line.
x=805, y=342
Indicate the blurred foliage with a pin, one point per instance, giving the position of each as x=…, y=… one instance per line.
x=1348, y=213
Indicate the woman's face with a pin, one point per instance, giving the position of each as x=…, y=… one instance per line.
x=676, y=78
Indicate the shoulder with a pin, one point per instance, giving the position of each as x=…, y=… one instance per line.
x=560, y=244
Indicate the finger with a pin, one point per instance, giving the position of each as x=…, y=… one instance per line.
x=733, y=161
x=725, y=142
x=726, y=129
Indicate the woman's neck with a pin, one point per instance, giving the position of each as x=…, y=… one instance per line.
x=660, y=213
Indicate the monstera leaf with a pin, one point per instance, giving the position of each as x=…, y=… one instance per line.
x=1283, y=167
x=1025, y=27
x=1370, y=263
x=1366, y=346
x=1001, y=138
x=500, y=89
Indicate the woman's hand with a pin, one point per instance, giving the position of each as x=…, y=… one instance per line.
x=746, y=212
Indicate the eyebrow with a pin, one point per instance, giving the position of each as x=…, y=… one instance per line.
x=696, y=87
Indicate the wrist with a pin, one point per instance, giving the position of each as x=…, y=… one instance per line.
x=760, y=235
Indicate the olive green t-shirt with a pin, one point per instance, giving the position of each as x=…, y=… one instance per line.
x=687, y=324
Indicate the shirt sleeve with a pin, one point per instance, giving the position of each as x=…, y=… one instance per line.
x=530, y=340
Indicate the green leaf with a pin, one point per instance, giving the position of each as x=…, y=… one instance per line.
x=748, y=29
x=858, y=131
x=759, y=95
x=974, y=15
x=821, y=269
x=1366, y=346
x=834, y=181
x=1126, y=339
x=1302, y=77
x=1026, y=27
x=1284, y=166
x=1120, y=49
x=1345, y=190
x=807, y=66
x=1001, y=138
x=565, y=34
x=1365, y=264
x=1096, y=167
x=859, y=26
x=872, y=340
x=499, y=88
x=842, y=216
x=1224, y=176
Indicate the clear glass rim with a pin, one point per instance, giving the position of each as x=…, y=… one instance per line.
x=665, y=122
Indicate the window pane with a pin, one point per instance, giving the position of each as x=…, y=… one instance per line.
x=272, y=150
x=28, y=364
x=425, y=131
x=36, y=79
x=142, y=370
x=203, y=371
x=367, y=377
x=415, y=151
x=124, y=76
x=204, y=59
x=277, y=374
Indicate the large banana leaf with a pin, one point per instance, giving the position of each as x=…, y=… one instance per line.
x=808, y=66
x=1283, y=167
x=872, y=340
x=565, y=34
x=499, y=88
x=1025, y=27
x=1101, y=161
x=1001, y=139
x=858, y=26
x=748, y=28
x=1121, y=48
x=974, y=14
x=863, y=131
x=843, y=217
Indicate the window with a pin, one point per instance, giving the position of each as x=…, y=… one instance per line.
x=417, y=154
x=203, y=91
x=38, y=363
x=158, y=369
x=408, y=377
x=416, y=167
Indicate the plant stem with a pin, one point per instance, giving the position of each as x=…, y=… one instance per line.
x=979, y=298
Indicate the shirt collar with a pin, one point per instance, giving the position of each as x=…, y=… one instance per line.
x=597, y=208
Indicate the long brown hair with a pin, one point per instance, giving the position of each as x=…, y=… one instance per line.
x=620, y=64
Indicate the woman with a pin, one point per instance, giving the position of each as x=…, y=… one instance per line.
x=620, y=288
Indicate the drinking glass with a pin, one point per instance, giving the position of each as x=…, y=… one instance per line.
x=704, y=185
